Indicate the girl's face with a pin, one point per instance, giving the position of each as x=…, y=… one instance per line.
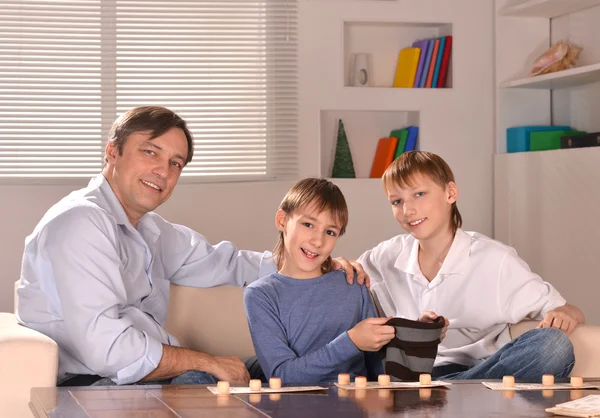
x=309, y=238
x=424, y=208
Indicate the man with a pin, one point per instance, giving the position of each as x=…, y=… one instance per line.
x=97, y=268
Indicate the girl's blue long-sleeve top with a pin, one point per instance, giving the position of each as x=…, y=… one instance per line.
x=299, y=327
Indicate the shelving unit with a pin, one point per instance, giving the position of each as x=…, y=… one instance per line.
x=382, y=41
x=534, y=192
x=363, y=130
x=545, y=8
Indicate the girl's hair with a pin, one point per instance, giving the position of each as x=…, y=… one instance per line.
x=323, y=195
x=403, y=169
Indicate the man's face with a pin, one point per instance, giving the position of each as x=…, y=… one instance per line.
x=146, y=174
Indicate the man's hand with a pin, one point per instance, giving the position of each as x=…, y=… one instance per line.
x=351, y=267
x=564, y=318
x=230, y=369
x=371, y=334
x=430, y=316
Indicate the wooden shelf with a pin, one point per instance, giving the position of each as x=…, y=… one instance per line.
x=562, y=79
x=547, y=8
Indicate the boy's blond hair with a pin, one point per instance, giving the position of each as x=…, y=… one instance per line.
x=403, y=169
x=325, y=196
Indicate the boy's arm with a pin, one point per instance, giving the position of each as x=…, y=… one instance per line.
x=272, y=348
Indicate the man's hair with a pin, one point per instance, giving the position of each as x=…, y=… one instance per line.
x=155, y=119
x=323, y=195
x=404, y=168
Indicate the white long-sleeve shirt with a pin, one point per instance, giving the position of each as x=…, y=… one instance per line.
x=482, y=287
x=100, y=287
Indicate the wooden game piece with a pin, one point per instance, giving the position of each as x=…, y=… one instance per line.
x=548, y=393
x=548, y=380
x=360, y=393
x=360, y=381
x=425, y=379
x=255, y=384
x=343, y=379
x=254, y=397
x=275, y=397
x=576, y=381
x=384, y=393
x=383, y=380
x=508, y=381
x=223, y=387
x=275, y=383
x=425, y=394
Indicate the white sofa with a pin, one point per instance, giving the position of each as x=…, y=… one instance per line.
x=210, y=320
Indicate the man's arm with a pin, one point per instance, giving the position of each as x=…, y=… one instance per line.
x=176, y=360
x=565, y=318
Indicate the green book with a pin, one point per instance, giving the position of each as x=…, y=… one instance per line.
x=402, y=135
x=548, y=140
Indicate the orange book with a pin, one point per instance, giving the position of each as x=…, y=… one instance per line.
x=436, y=47
x=383, y=156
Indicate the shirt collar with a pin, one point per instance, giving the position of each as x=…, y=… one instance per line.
x=455, y=262
x=114, y=206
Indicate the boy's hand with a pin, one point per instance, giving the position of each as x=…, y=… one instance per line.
x=563, y=318
x=430, y=316
x=371, y=334
x=351, y=267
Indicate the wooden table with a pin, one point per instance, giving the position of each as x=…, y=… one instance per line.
x=462, y=399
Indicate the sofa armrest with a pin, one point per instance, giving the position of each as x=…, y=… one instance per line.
x=585, y=339
x=211, y=320
x=27, y=359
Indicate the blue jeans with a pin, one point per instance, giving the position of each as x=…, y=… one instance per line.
x=194, y=377
x=537, y=352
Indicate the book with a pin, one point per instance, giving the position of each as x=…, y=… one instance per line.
x=580, y=141
x=384, y=155
x=422, y=45
x=445, y=62
x=517, y=138
x=406, y=69
x=548, y=140
x=411, y=140
x=436, y=47
x=402, y=135
x=438, y=62
x=423, y=81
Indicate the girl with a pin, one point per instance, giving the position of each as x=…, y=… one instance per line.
x=307, y=323
x=479, y=284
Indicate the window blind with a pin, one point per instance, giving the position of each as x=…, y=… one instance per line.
x=69, y=68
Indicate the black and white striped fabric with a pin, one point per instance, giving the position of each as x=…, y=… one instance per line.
x=413, y=350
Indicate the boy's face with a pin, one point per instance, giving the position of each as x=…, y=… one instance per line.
x=424, y=208
x=309, y=238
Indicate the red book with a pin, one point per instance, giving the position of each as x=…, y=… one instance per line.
x=445, y=62
x=383, y=156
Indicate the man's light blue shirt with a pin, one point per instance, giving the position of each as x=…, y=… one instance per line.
x=100, y=287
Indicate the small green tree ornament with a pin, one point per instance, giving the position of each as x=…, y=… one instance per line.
x=343, y=167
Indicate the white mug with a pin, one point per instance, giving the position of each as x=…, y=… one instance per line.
x=360, y=70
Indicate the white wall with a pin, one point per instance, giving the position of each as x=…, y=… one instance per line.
x=456, y=123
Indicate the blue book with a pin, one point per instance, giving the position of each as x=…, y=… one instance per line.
x=422, y=45
x=438, y=62
x=430, y=44
x=517, y=138
x=411, y=141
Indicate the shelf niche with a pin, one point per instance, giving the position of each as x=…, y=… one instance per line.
x=383, y=42
x=363, y=129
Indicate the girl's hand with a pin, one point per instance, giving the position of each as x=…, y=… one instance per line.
x=371, y=334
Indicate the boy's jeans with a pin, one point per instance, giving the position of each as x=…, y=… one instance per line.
x=537, y=352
